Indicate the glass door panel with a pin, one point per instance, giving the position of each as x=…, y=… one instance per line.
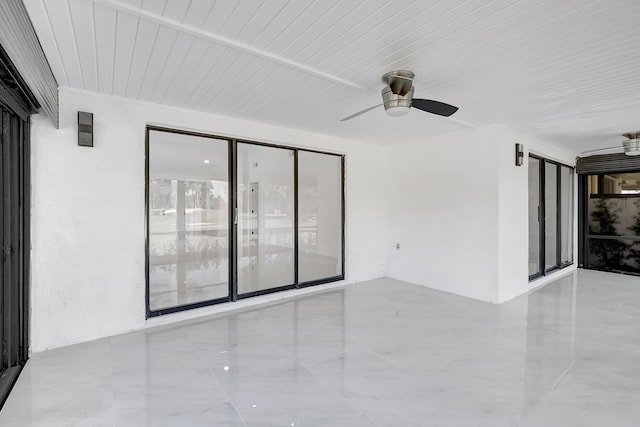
x=266, y=210
x=188, y=219
x=534, y=216
x=551, y=215
x=613, y=214
x=319, y=216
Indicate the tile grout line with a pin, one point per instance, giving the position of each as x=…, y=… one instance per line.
x=562, y=376
x=599, y=330
x=358, y=409
x=222, y=388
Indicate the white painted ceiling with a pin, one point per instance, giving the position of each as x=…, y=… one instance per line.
x=564, y=71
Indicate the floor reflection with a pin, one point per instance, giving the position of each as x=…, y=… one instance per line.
x=202, y=276
x=188, y=282
x=378, y=353
x=551, y=331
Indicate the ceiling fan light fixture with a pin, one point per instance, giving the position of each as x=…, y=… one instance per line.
x=397, y=111
x=632, y=144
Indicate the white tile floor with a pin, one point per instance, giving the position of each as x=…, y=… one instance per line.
x=380, y=353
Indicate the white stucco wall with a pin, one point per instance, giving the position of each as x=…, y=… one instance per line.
x=455, y=203
x=459, y=212
x=88, y=208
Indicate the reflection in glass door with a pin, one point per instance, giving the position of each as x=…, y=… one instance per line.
x=266, y=218
x=188, y=220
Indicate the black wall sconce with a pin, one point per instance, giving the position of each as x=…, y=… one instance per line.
x=85, y=129
x=519, y=155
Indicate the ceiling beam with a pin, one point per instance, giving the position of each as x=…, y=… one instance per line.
x=225, y=41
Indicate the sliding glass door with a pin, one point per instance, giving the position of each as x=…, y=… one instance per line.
x=233, y=219
x=535, y=259
x=266, y=212
x=320, y=216
x=188, y=205
x=551, y=216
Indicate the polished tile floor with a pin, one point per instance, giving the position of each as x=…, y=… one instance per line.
x=380, y=353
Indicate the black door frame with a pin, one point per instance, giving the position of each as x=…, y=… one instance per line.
x=583, y=220
x=16, y=106
x=583, y=214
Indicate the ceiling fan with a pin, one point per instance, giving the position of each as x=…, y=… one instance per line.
x=630, y=146
x=397, y=98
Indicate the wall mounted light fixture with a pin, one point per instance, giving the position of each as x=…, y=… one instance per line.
x=85, y=129
x=519, y=155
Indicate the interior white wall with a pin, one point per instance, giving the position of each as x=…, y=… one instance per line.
x=88, y=208
x=444, y=213
x=459, y=212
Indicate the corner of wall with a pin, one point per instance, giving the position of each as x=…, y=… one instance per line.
x=443, y=213
x=513, y=259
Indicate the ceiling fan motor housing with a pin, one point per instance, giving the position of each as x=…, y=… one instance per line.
x=396, y=103
x=632, y=144
x=398, y=93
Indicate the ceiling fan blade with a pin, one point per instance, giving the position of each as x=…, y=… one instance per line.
x=360, y=112
x=434, y=107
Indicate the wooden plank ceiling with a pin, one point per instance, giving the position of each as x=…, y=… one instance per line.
x=562, y=71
